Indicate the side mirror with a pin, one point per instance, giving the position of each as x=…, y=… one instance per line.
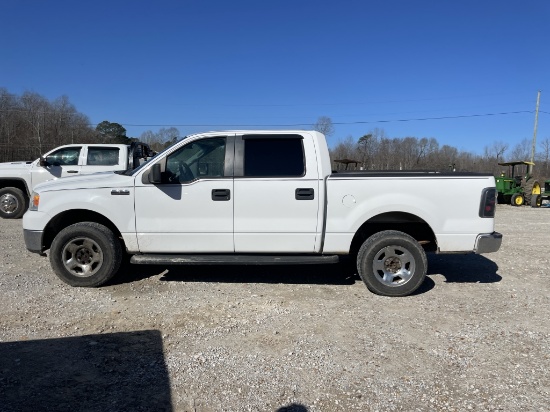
x=43, y=162
x=155, y=175
x=203, y=169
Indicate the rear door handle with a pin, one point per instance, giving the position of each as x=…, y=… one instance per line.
x=221, y=195
x=305, y=194
x=72, y=171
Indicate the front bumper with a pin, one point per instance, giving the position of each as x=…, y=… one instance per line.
x=33, y=240
x=488, y=243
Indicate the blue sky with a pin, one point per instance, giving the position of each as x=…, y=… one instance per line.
x=212, y=65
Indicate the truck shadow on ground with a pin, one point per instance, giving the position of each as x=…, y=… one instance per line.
x=116, y=371
x=468, y=268
x=331, y=274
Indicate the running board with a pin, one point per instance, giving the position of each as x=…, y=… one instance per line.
x=157, y=259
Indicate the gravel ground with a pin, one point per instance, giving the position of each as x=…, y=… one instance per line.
x=475, y=337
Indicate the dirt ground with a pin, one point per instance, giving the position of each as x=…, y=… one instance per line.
x=476, y=336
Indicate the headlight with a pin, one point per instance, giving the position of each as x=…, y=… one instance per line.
x=35, y=201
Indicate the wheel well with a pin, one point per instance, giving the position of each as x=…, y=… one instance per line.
x=19, y=184
x=62, y=220
x=403, y=222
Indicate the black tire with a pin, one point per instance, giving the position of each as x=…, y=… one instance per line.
x=13, y=203
x=530, y=189
x=536, y=201
x=85, y=254
x=392, y=263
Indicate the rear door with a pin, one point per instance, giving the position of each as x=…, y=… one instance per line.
x=276, y=194
x=103, y=159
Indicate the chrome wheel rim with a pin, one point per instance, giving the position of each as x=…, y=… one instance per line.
x=8, y=203
x=393, y=266
x=82, y=257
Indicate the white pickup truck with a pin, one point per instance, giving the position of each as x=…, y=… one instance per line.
x=18, y=179
x=260, y=197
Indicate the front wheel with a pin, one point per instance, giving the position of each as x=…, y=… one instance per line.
x=517, y=200
x=85, y=254
x=392, y=263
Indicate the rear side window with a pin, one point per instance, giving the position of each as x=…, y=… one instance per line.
x=273, y=157
x=102, y=156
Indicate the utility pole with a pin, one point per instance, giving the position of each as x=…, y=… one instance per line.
x=535, y=135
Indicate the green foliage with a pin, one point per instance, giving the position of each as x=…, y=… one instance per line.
x=112, y=132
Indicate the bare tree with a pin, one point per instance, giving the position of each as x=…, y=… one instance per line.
x=447, y=158
x=344, y=150
x=522, y=150
x=543, y=158
x=496, y=151
x=161, y=139
x=365, y=148
x=324, y=125
x=31, y=125
x=168, y=136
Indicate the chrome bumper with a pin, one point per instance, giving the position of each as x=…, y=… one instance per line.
x=33, y=240
x=488, y=243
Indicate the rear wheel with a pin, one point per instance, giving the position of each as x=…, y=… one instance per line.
x=530, y=189
x=392, y=263
x=13, y=203
x=85, y=254
x=517, y=200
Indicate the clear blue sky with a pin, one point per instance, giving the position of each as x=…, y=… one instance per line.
x=211, y=65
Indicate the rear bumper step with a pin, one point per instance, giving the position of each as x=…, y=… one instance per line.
x=488, y=243
x=158, y=259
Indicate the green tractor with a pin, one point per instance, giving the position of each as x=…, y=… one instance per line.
x=538, y=198
x=515, y=188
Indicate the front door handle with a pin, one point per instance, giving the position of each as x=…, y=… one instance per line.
x=221, y=195
x=305, y=193
x=72, y=171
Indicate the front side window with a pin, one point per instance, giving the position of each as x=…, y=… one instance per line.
x=62, y=157
x=102, y=156
x=273, y=157
x=203, y=158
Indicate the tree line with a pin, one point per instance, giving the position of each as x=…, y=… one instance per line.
x=377, y=151
x=31, y=125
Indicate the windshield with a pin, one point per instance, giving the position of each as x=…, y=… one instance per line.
x=130, y=172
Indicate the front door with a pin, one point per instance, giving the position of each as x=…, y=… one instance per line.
x=191, y=211
x=60, y=163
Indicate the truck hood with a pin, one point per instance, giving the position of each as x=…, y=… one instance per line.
x=5, y=166
x=92, y=181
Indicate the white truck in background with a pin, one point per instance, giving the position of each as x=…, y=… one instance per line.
x=18, y=179
x=260, y=197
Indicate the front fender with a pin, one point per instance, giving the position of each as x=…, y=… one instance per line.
x=116, y=207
